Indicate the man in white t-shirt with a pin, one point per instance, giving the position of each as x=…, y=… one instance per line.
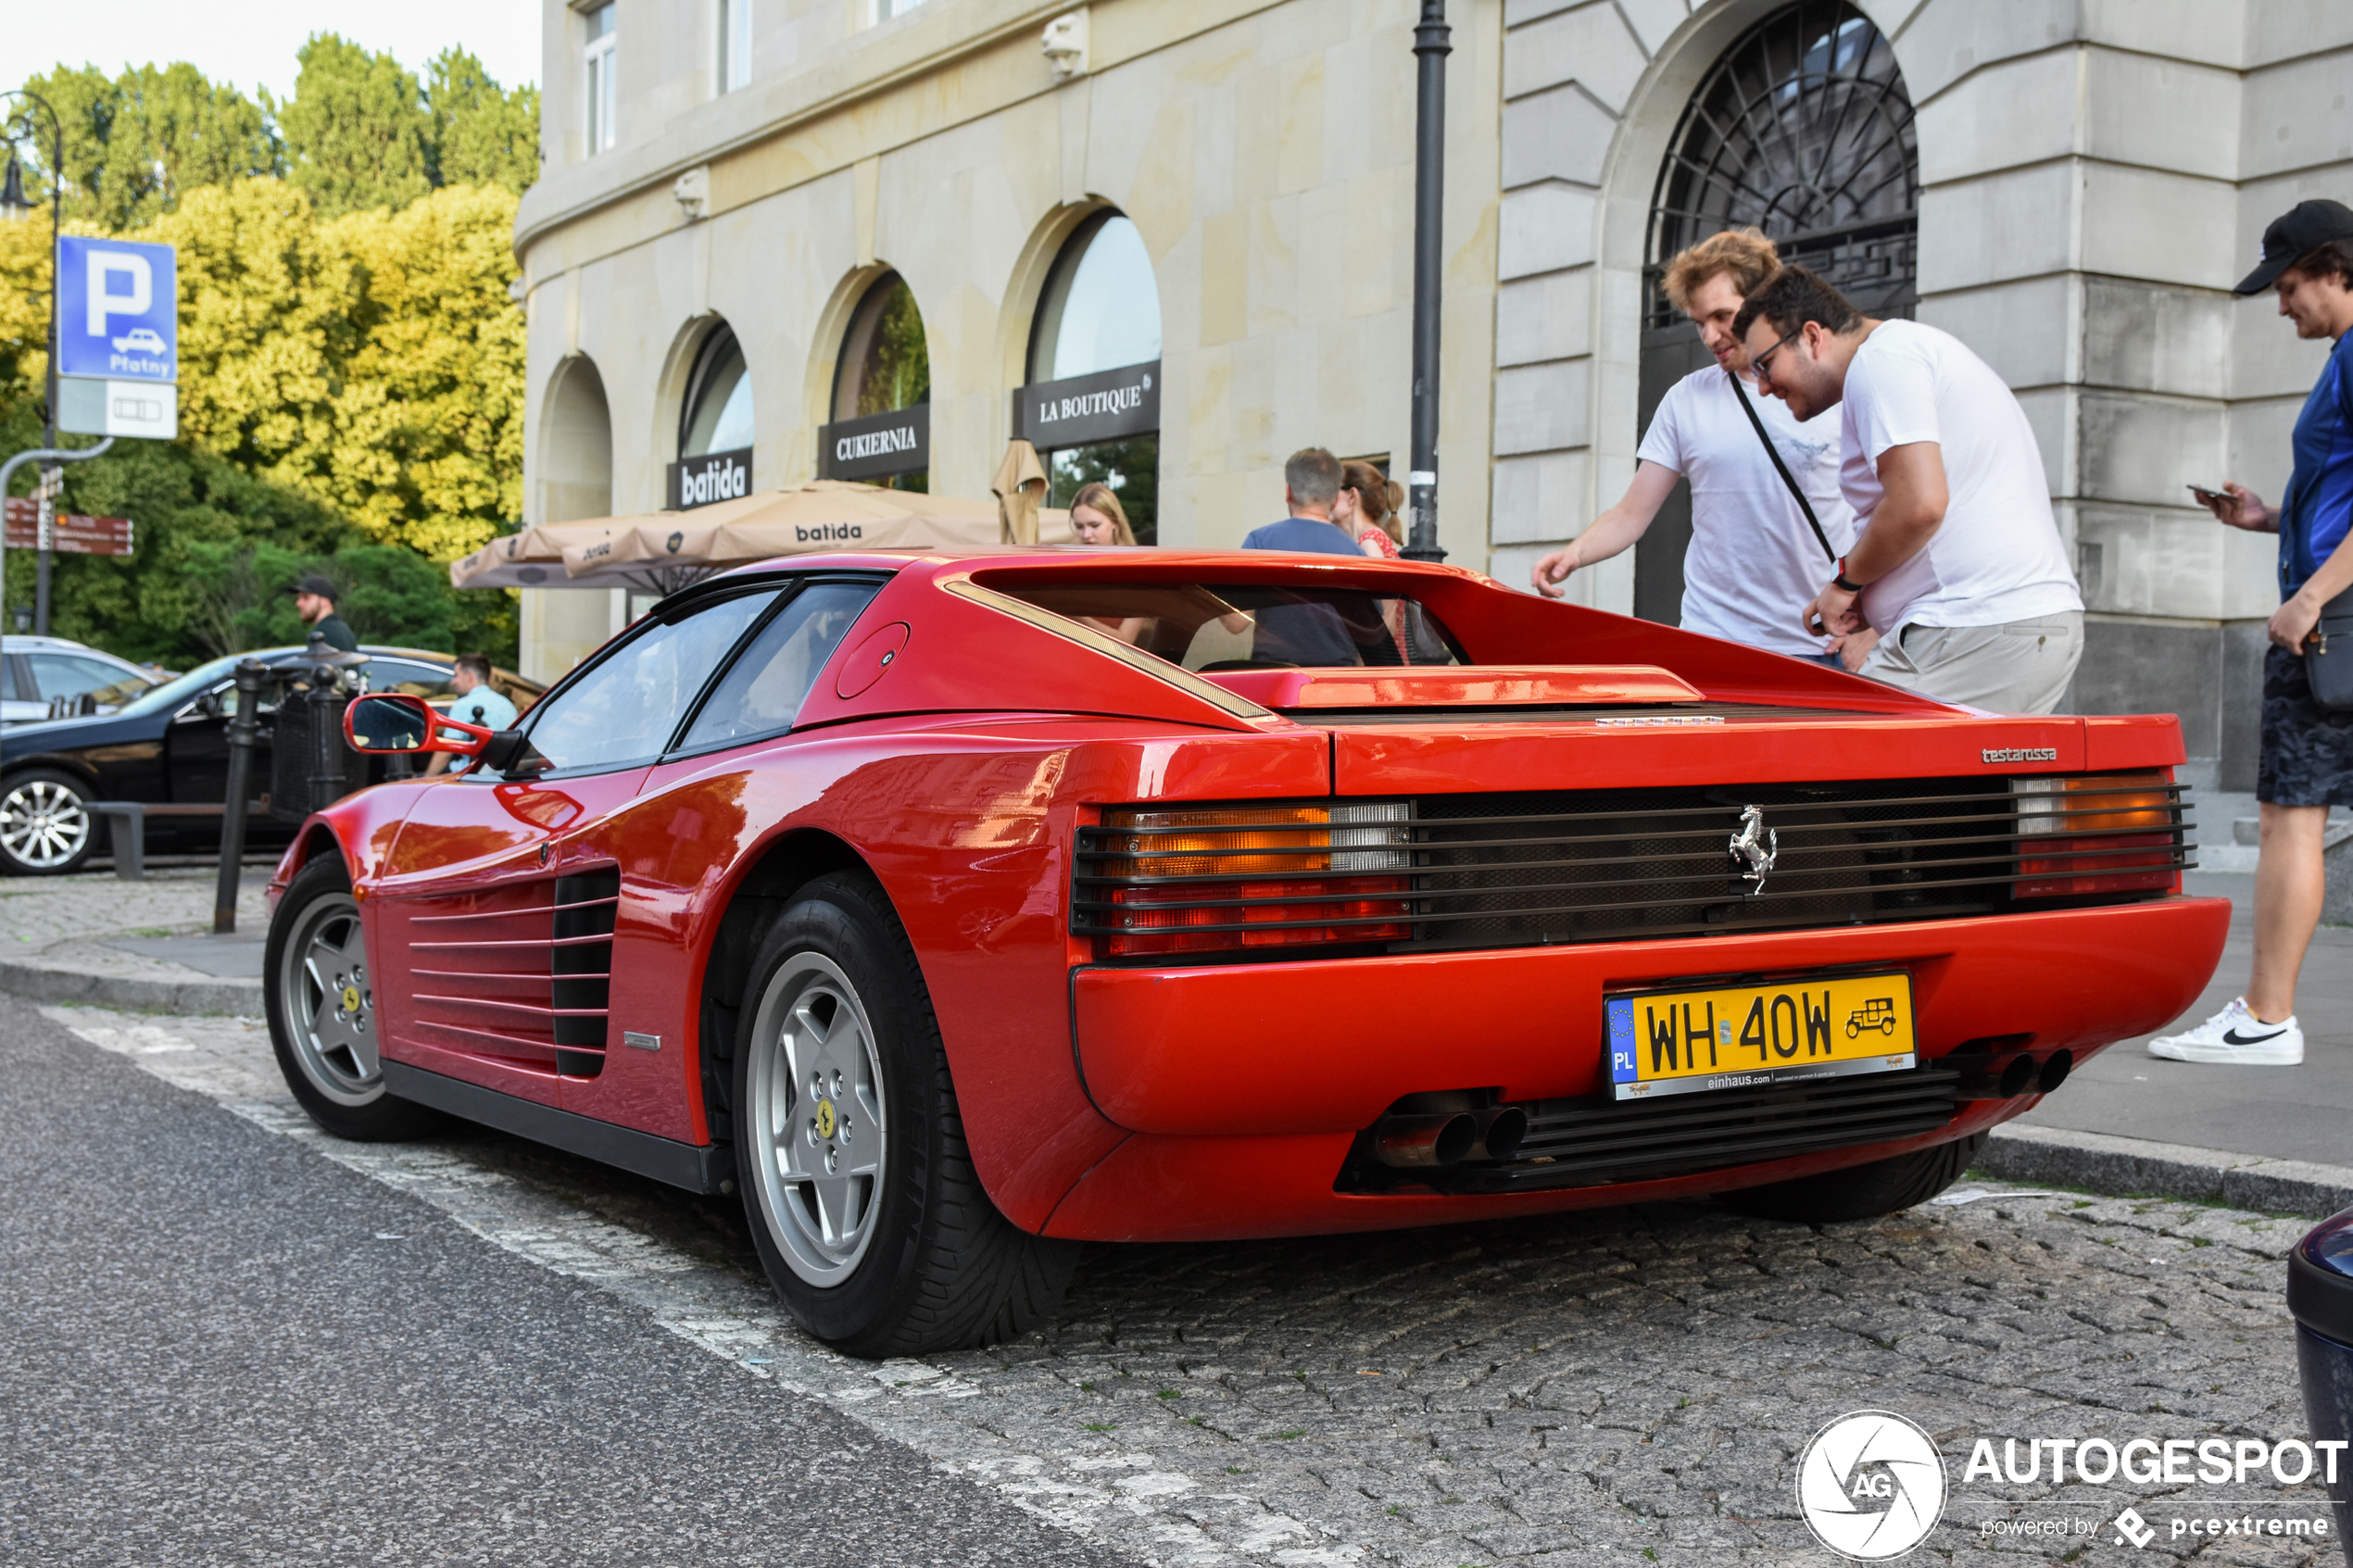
x=1958, y=564
x=1753, y=558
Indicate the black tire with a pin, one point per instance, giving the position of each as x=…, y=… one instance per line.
x=1860, y=1192
x=47, y=826
x=322, y=1014
x=875, y=1231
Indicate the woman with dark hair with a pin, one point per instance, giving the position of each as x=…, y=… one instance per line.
x=1097, y=517
x=1366, y=509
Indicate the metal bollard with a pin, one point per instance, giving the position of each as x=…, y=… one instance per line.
x=244, y=728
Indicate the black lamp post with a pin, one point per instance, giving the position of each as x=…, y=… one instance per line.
x=1431, y=46
x=16, y=207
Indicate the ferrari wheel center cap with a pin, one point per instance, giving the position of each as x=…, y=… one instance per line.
x=351, y=999
x=825, y=1119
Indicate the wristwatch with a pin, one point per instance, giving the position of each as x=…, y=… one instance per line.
x=1841, y=580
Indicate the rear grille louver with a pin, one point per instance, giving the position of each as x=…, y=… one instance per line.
x=1499, y=870
x=1592, y=1142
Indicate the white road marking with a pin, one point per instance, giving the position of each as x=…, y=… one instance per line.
x=1001, y=1444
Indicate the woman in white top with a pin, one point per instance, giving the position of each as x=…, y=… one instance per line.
x=1753, y=557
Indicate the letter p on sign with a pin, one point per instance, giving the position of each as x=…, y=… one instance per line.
x=102, y=300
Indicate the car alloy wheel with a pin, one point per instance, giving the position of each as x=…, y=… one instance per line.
x=329, y=1009
x=820, y=1121
x=44, y=825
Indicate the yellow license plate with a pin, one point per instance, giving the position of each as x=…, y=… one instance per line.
x=1737, y=1036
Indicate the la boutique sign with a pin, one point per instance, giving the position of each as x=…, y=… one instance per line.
x=715, y=476
x=1107, y=406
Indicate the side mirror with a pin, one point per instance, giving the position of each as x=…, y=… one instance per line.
x=395, y=721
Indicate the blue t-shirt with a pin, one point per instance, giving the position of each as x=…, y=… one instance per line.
x=2317, y=509
x=1309, y=635
x=484, y=707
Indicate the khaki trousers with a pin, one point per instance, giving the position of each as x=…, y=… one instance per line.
x=2020, y=668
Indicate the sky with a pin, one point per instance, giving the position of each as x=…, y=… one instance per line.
x=252, y=43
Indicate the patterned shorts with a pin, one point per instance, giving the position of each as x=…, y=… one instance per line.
x=2308, y=749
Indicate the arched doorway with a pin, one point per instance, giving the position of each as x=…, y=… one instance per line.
x=1803, y=129
x=881, y=429
x=1092, y=405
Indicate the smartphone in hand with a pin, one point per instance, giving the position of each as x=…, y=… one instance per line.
x=2210, y=497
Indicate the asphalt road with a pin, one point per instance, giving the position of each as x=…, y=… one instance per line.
x=221, y=1347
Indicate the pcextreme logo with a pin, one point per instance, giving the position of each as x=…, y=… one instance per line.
x=1870, y=1486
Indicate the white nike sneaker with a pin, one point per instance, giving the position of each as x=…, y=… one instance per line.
x=2238, y=1037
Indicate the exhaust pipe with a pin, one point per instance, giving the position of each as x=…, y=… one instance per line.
x=2018, y=1076
x=1499, y=1131
x=1423, y=1142
x=2054, y=1072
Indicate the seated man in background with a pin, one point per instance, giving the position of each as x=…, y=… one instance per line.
x=478, y=702
x=1308, y=634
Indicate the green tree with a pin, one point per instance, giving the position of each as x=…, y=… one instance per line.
x=356, y=130
x=136, y=142
x=483, y=135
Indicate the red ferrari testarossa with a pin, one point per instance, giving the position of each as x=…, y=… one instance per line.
x=961, y=909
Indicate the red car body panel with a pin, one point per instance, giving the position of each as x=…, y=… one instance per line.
x=954, y=749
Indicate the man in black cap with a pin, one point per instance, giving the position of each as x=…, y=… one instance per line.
x=2306, y=763
x=315, y=601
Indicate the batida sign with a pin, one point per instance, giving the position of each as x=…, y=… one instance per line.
x=1081, y=410
x=714, y=476
x=876, y=446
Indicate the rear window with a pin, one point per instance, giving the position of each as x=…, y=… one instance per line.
x=1213, y=626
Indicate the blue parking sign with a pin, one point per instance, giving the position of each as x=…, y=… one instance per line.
x=117, y=309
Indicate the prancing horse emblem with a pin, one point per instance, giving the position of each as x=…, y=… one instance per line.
x=1757, y=845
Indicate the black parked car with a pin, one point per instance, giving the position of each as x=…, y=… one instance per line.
x=168, y=746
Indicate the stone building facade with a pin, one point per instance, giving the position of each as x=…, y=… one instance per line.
x=2075, y=185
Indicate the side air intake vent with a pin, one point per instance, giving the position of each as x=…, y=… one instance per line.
x=581, y=979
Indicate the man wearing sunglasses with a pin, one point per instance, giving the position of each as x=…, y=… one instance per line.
x=1754, y=555
x=1959, y=565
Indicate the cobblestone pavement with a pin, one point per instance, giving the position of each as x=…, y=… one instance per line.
x=1629, y=1384
x=37, y=910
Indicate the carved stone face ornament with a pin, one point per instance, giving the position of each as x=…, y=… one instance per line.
x=1755, y=848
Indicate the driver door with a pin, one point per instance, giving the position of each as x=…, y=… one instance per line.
x=492, y=925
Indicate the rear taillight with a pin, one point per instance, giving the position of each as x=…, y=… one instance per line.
x=2097, y=833
x=1210, y=880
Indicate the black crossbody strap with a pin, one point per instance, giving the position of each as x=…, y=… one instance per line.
x=1779, y=467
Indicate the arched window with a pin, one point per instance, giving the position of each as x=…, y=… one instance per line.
x=715, y=428
x=1093, y=405
x=885, y=369
x=1803, y=129
x=716, y=416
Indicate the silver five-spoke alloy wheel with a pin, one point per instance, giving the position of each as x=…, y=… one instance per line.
x=330, y=1010
x=42, y=823
x=818, y=1120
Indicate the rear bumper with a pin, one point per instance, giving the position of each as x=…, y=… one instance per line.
x=1246, y=1083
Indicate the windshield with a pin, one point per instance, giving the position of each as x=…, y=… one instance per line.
x=172, y=693
x=1213, y=626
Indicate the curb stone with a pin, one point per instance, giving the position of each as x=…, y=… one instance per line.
x=2129, y=1167
x=60, y=982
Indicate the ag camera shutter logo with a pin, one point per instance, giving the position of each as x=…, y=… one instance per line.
x=1870, y=1486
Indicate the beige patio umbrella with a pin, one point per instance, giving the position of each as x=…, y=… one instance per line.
x=662, y=552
